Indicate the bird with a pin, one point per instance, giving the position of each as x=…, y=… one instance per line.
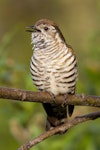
x=53, y=68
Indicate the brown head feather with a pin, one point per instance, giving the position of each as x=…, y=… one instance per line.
x=49, y=22
x=45, y=21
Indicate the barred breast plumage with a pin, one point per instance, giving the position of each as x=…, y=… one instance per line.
x=53, y=67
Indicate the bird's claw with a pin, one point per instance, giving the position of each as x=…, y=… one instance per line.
x=53, y=97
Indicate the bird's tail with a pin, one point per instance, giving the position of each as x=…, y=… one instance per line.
x=56, y=115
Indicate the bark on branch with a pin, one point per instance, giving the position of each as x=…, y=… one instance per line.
x=44, y=97
x=63, y=127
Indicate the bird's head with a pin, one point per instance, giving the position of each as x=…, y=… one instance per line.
x=45, y=31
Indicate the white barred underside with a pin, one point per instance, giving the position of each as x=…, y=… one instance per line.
x=54, y=68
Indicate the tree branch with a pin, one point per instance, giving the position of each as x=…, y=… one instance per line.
x=63, y=127
x=44, y=97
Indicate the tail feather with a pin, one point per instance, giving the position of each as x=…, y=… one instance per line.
x=56, y=115
x=70, y=109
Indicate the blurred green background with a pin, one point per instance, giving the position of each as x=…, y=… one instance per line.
x=80, y=24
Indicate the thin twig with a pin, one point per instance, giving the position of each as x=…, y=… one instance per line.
x=44, y=97
x=63, y=127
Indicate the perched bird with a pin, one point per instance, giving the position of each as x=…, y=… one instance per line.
x=53, y=68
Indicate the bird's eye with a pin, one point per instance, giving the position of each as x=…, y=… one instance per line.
x=46, y=28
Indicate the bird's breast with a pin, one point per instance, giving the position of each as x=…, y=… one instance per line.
x=54, y=71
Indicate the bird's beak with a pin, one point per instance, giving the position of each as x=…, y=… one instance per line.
x=30, y=28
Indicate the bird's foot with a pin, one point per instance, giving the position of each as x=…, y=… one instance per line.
x=53, y=97
x=65, y=99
